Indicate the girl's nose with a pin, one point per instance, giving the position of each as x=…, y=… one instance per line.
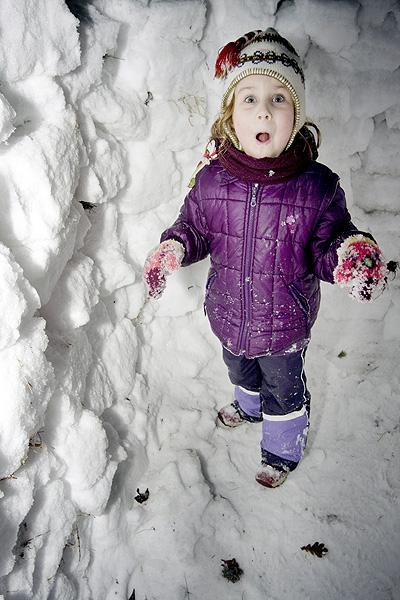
x=264, y=113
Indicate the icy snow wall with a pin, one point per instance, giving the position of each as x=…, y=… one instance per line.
x=101, y=124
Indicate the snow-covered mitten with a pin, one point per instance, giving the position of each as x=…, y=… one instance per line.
x=160, y=262
x=361, y=267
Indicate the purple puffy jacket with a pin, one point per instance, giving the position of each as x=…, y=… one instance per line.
x=269, y=246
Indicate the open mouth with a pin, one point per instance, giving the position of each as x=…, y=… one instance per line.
x=262, y=137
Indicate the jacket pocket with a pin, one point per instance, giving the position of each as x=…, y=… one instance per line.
x=300, y=298
x=303, y=303
x=211, y=279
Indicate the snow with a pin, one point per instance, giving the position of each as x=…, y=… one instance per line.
x=105, y=392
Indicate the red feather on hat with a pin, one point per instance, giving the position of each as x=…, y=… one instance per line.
x=229, y=55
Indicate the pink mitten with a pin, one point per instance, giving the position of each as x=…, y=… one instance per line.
x=160, y=262
x=361, y=267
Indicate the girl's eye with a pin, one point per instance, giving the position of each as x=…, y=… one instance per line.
x=249, y=99
x=278, y=98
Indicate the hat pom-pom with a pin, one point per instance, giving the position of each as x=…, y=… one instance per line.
x=229, y=55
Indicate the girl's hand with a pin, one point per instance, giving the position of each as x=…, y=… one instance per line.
x=160, y=262
x=361, y=267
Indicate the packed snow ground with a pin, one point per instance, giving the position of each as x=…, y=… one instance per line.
x=103, y=392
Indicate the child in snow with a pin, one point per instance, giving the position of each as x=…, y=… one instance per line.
x=274, y=222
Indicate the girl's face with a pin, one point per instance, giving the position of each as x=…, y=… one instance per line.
x=263, y=116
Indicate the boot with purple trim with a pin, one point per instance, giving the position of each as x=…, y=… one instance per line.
x=269, y=476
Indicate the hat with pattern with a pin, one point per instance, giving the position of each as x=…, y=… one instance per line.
x=263, y=53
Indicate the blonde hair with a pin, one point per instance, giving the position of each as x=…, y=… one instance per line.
x=222, y=129
x=312, y=139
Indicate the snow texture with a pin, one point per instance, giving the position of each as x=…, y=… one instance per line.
x=103, y=119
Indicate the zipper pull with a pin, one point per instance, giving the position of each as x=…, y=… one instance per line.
x=254, y=195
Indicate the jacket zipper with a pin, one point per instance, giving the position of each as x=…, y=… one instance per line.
x=247, y=265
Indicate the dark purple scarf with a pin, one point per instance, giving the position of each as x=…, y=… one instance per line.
x=268, y=170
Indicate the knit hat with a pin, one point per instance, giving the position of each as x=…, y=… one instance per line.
x=262, y=53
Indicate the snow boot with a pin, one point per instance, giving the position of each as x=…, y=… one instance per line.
x=229, y=416
x=269, y=476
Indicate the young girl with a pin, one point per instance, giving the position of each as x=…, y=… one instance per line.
x=274, y=222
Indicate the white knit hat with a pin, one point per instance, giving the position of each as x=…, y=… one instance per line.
x=263, y=53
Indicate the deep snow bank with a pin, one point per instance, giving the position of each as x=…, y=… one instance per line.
x=101, y=125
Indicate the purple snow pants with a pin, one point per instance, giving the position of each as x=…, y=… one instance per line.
x=273, y=389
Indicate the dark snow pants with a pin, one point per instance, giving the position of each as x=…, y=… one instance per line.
x=273, y=389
